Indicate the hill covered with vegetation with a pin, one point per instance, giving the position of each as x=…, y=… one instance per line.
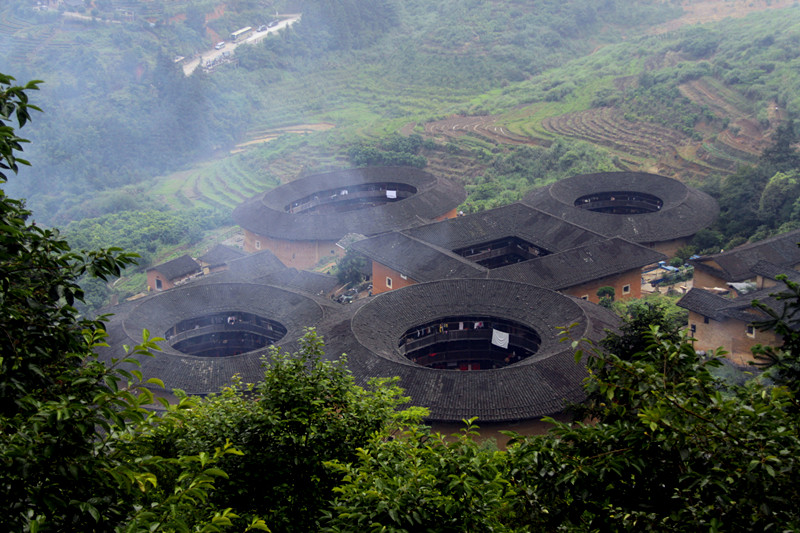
x=505, y=95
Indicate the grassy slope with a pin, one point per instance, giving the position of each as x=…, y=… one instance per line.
x=365, y=102
x=385, y=89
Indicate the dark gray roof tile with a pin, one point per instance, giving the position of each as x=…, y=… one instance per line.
x=178, y=267
x=265, y=214
x=738, y=264
x=202, y=375
x=221, y=254
x=579, y=265
x=534, y=387
x=514, y=220
x=416, y=259
x=683, y=213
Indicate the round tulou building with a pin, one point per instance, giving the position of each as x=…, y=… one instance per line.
x=473, y=347
x=301, y=221
x=655, y=211
x=213, y=331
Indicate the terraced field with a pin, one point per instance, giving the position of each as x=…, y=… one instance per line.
x=220, y=184
x=461, y=168
x=607, y=127
x=20, y=39
x=638, y=145
x=223, y=183
x=745, y=138
x=482, y=126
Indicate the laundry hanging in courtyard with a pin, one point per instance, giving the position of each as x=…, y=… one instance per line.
x=500, y=338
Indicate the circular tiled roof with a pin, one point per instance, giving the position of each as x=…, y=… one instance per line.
x=201, y=375
x=534, y=387
x=266, y=213
x=684, y=211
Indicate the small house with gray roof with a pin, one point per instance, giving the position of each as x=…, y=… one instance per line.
x=168, y=275
x=719, y=321
x=719, y=305
x=301, y=221
x=757, y=262
x=218, y=257
x=655, y=211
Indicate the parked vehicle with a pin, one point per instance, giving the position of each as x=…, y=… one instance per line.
x=220, y=45
x=242, y=34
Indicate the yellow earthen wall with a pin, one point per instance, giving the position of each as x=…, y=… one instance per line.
x=453, y=213
x=669, y=248
x=379, y=275
x=632, y=278
x=152, y=276
x=731, y=335
x=704, y=280
x=295, y=254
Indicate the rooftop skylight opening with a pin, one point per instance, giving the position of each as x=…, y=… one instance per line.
x=620, y=203
x=501, y=252
x=224, y=334
x=469, y=343
x=351, y=197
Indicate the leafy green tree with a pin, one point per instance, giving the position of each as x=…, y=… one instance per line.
x=638, y=317
x=783, y=361
x=423, y=482
x=606, y=295
x=674, y=449
x=350, y=268
x=684, y=253
x=393, y=150
x=305, y=411
x=66, y=419
x=779, y=200
x=781, y=154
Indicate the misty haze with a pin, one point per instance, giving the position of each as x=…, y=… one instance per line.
x=310, y=265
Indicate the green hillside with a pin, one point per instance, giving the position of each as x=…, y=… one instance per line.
x=507, y=95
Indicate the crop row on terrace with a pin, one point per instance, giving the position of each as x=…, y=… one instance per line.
x=21, y=40
x=457, y=167
x=722, y=102
x=348, y=96
x=11, y=24
x=737, y=148
x=607, y=127
x=711, y=154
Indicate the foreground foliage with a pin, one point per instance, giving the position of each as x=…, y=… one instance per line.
x=672, y=448
x=306, y=411
x=66, y=420
x=669, y=447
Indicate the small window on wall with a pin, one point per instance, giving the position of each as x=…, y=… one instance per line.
x=389, y=282
x=258, y=245
x=626, y=289
x=751, y=331
x=403, y=276
x=585, y=297
x=705, y=320
x=159, y=286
